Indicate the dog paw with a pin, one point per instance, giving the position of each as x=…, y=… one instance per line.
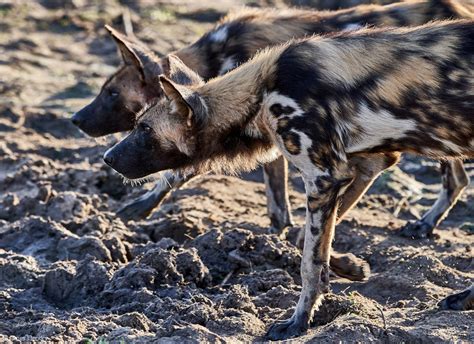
x=417, y=230
x=286, y=329
x=349, y=266
x=462, y=301
x=138, y=209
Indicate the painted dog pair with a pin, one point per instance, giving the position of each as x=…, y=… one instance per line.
x=234, y=40
x=328, y=104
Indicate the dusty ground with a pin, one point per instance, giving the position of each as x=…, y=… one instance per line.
x=202, y=267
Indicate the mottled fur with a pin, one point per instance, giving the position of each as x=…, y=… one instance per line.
x=235, y=39
x=239, y=35
x=338, y=113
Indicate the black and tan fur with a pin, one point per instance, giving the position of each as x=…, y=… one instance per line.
x=236, y=38
x=326, y=105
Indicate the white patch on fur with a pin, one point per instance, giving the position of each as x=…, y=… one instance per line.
x=352, y=27
x=227, y=65
x=174, y=107
x=204, y=105
x=302, y=160
x=340, y=155
x=313, y=220
x=439, y=207
x=277, y=98
x=378, y=126
x=271, y=155
x=308, y=271
x=343, y=130
x=220, y=35
x=447, y=198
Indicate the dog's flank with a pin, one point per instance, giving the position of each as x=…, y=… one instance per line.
x=304, y=98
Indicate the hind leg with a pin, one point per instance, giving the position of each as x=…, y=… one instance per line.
x=275, y=175
x=367, y=169
x=462, y=301
x=141, y=207
x=455, y=180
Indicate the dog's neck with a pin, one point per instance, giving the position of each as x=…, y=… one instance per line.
x=234, y=137
x=234, y=99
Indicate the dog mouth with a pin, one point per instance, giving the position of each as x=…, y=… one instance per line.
x=163, y=177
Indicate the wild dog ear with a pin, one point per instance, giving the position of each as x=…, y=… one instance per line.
x=136, y=54
x=188, y=103
x=179, y=73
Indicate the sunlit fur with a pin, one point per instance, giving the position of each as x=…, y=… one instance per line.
x=323, y=101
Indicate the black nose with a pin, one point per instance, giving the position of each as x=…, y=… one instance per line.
x=109, y=160
x=76, y=120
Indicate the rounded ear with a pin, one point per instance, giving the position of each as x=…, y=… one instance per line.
x=125, y=46
x=177, y=95
x=137, y=54
x=187, y=103
x=179, y=73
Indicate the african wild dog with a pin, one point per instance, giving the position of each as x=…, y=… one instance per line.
x=322, y=102
x=275, y=173
x=235, y=39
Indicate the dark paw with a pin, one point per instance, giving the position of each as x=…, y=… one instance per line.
x=417, y=230
x=286, y=329
x=349, y=266
x=138, y=209
x=458, y=302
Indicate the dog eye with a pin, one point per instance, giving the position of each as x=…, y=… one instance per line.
x=113, y=93
x=146, y=128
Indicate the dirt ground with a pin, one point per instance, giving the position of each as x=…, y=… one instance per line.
x=202, y=268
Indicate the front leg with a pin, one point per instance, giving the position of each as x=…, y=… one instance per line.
x=323, y=191
x=275, y=175
x=141, y=207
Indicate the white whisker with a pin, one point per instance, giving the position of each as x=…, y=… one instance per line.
x=159, y=176
x=167, y=181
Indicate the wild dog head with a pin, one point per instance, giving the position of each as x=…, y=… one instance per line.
x=166, y=133
x=125, y=93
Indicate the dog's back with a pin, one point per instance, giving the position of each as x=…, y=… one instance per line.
x=406, y=88
x=238, y=36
